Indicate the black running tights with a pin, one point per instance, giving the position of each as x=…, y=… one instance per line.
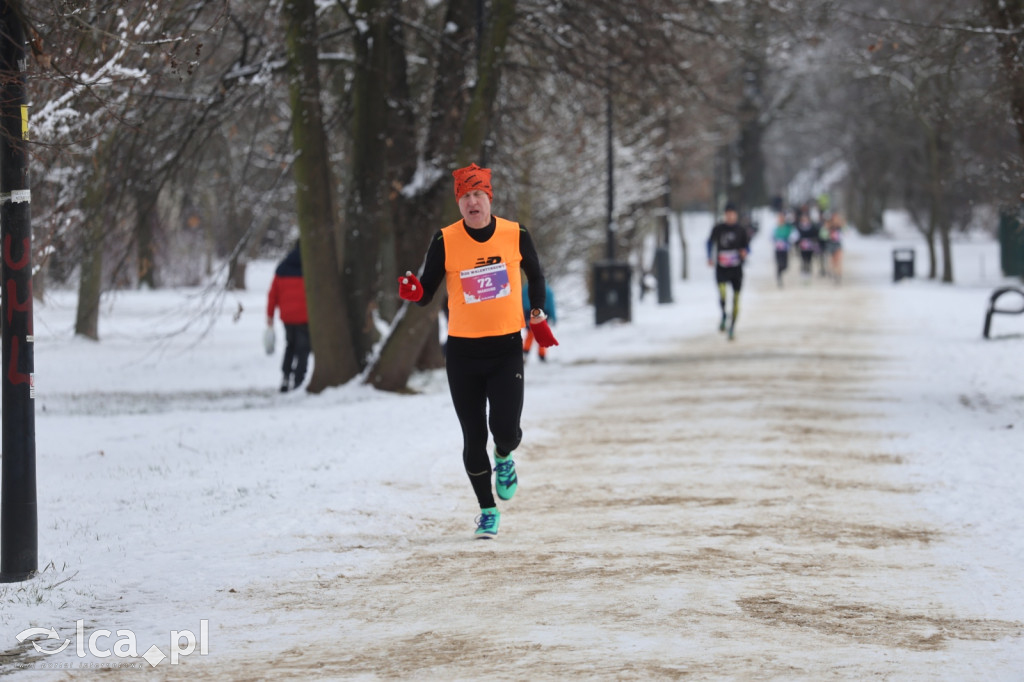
x=486, y=373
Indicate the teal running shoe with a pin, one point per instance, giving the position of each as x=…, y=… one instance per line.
x=487, y=523
x=505, y=479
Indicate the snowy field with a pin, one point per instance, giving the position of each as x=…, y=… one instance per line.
x=680, y=514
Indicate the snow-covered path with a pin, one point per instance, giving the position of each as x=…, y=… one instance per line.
x=834, y=495
x=737, y=511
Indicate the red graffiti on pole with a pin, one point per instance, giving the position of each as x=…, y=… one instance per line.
x=25, y=248
x=14, y=305
x=13, y=374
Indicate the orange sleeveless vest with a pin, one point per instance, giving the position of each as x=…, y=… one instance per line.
x=485, y=295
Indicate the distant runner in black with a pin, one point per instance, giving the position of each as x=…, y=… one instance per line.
x=728, y=247
x=807, y=242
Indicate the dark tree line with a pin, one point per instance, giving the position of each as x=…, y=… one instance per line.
x=916, y=100
x=176, y=140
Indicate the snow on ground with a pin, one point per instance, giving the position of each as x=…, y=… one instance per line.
x=177, y=487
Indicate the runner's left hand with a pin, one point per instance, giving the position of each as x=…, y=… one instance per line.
x=542, y=332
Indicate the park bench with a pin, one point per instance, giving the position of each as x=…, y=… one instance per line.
x=993, y=310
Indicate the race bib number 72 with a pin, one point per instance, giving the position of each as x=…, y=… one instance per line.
x=486, y=283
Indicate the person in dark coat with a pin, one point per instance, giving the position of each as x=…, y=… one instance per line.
x=288, y=293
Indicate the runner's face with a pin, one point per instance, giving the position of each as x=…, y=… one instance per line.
x=475, y=207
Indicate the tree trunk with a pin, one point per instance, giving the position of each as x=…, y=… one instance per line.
x=39, y=284
x=1007, y=16
x=329, y=327
x=235, y=232
x=382, y=135
x=926, y=226
x=933, y=257
x=458, y=131
x=750, y=147
x=401, y=164
x=146, y=218
x=90, y=278
x=237, y=259
x=404, y=346
x=431, y=355
x=944, y=220
x=488, y=74
x=366, y=218
x=684, y=254
x=236, y=276
x=947, y=251
x=940, y=165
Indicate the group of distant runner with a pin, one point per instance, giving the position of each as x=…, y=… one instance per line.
x=810, y=229
x=816, y=234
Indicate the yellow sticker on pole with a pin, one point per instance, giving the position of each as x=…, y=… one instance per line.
x=24, y=121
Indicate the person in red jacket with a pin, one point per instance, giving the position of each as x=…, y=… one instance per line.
x=288, y=292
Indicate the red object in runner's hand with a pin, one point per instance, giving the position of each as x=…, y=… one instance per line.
x=542, y=332
x=409, y=287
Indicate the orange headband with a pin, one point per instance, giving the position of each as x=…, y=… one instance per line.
x=472, y=177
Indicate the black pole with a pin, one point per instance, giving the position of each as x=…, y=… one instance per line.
x=662, y=261
x=18, y=520
x=667, y=195
x=610, y=230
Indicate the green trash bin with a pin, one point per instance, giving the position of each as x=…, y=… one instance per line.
x=1011, y=243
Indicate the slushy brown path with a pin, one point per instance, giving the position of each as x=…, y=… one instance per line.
x=729, y=511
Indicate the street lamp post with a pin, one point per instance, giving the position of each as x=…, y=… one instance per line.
x=612, y=297
x=610, y=152
x=18, y=520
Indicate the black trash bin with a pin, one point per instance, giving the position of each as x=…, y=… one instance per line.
x=612, y=301
x=1011, y=244
x=663, y=270
x=902, y=264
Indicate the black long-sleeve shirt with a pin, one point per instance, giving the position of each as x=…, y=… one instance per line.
x=727, y=245
x=433, y=265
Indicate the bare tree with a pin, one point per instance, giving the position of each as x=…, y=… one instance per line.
x=903, y=100
x=329, y=324
x=457, y=105
x=1007, y=20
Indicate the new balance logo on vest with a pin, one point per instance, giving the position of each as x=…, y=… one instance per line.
x=490, y=260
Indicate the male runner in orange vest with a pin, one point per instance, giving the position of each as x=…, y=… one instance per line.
x=479, y=258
